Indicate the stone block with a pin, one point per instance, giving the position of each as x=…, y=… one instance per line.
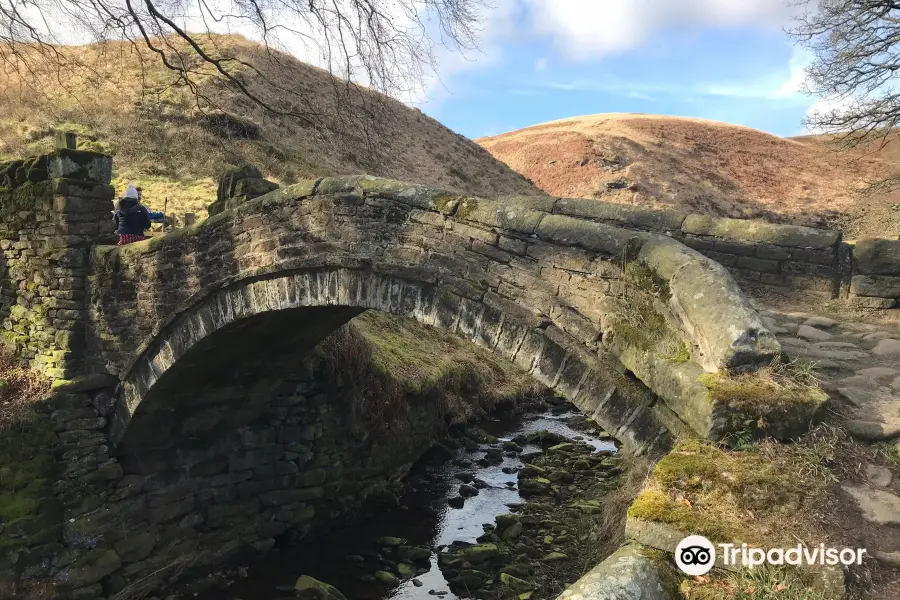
x=880, y=286
x=877, y=257
x=81, y=165
x=624, y=215
x=747, y=231
x=761, y=265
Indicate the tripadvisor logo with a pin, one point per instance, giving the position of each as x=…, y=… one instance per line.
x=696, y=555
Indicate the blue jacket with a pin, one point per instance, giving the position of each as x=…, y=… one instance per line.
x=131, y=217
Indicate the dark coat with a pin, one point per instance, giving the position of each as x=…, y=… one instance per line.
x=131, y=217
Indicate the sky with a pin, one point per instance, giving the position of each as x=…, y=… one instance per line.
x=540, y=60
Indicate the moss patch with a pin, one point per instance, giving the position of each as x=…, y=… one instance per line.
x=647, y=280
x=727, y=496
x=772, y=400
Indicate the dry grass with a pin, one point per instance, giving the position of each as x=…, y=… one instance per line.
x=34, y=590
x=381, y=362
x=165, y=143
x=706, y=167
x=20, y=388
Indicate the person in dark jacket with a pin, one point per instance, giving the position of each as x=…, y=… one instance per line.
x=132, y=217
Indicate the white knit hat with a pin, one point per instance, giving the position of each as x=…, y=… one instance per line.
x=131, y=192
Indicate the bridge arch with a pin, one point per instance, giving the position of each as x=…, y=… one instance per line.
x=538, y=288
x=311, y=304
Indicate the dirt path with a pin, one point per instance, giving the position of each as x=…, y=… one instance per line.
x=859, y=365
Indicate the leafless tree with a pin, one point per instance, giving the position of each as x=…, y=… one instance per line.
x=388, y=45
x=856, y=48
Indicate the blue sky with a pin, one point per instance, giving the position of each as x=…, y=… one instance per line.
x=539, y=60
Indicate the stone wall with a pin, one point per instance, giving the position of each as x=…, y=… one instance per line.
x=786, y=256
x=284, y=458
x=876, y=274
x=53, y=208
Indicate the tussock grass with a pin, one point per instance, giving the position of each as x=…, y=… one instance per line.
x=20, y=389
x=761, y=583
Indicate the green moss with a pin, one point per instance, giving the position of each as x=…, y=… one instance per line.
x=681, y=355
x=647, y=280
x=466, y=208
x=700, y=488
x=14, y=506
x=782, y=395
x=445, y=203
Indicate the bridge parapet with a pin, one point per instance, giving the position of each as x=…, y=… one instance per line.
x=467, y=264
x=53, y=208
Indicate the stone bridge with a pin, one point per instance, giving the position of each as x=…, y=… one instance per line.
x=187, y=409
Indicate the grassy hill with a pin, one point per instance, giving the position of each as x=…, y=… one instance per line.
x=707, y=167
x=126, y=104
x=121, y=100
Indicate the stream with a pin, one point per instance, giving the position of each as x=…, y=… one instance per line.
x=405, y=551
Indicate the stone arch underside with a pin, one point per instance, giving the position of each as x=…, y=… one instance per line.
x=261, y=328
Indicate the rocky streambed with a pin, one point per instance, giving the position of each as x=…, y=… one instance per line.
x=510, y=510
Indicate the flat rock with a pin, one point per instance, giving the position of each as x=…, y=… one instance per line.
x=895, y=384
x=878, y=372
x=821, y=322
x=879, y=476
x=835, y=345
x=878, y=506
x=811, y=333
x=792, y=341
x=876, y=336
x=871, y=431
x=625, y=575
x=856, y=396
x=890, y=559
x=858, y=381
x=887, y=347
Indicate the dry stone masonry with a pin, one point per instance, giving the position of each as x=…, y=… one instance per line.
x=190, y=412
x=53, y=208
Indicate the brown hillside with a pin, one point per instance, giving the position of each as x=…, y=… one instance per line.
x=704, y=166
x=163, y=141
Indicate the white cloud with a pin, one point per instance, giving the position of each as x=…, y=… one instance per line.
x=583, y=30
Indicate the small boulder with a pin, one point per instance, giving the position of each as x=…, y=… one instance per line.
x=467, y=491
x=479, y=553
x=555, y=556
x=456, y=502
x=391, y=542
x=386, y=578
x=309, y=588
x=513, y=531
x=519, y=586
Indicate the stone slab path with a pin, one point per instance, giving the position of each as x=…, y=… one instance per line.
x=859, y=365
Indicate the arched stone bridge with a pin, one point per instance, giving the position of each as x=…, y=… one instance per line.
x=189, y=422
x=248, y=289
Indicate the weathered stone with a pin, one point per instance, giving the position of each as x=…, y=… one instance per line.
x=628, y=574
x=878, y=506
x=878, y=476
x=875, y=285
x=760, y=232
x=811, y=333
x=308, y=588
x=887, y=348
x=877, y=257
x=90, y=567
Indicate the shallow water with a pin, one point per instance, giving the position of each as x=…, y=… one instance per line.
x=423, y=519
